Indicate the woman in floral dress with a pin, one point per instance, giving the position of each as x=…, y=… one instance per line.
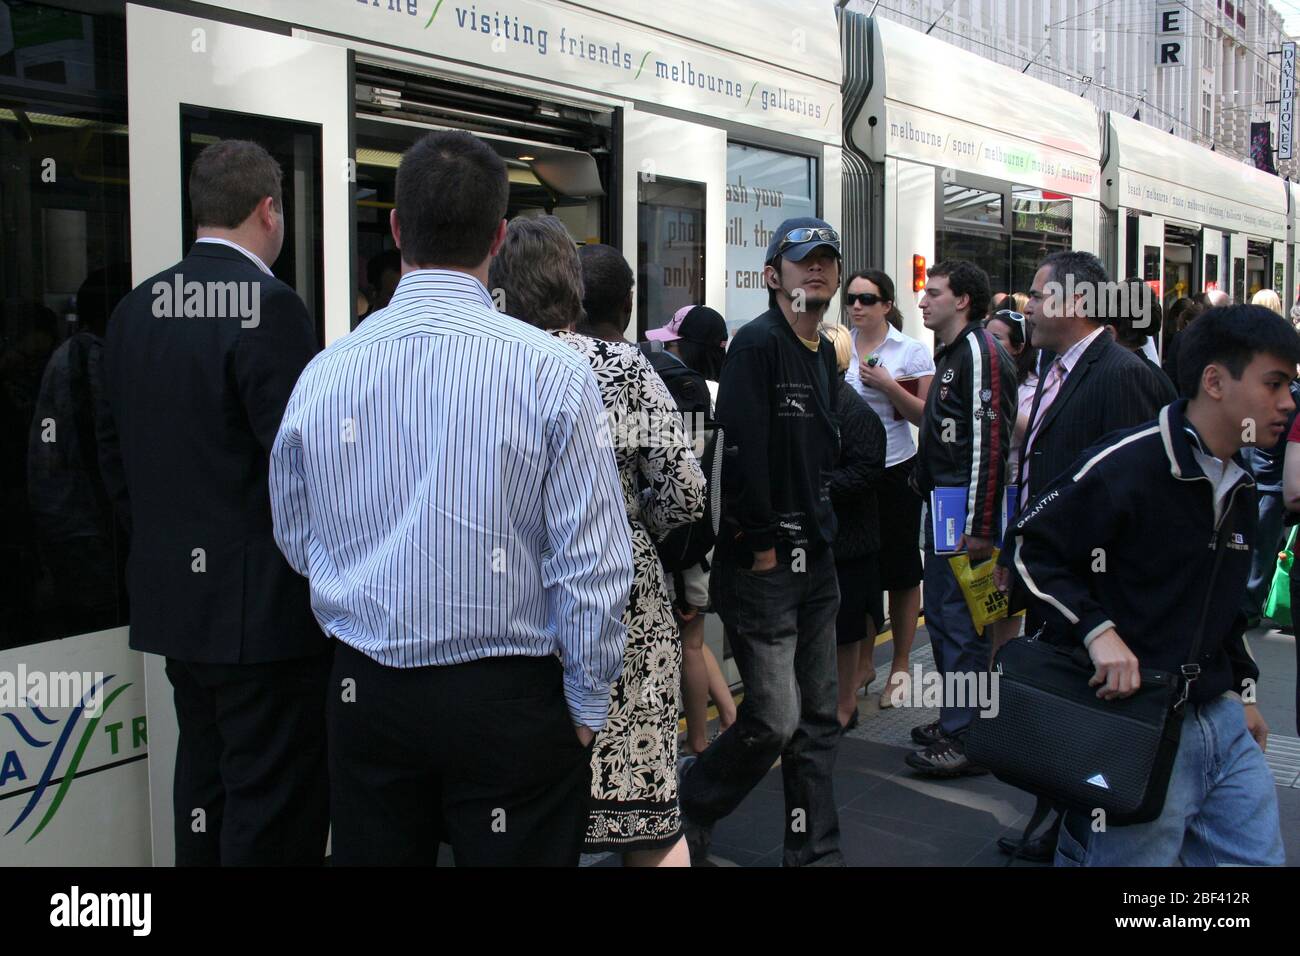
x=634, y=807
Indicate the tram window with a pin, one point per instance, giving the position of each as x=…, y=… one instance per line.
x=63, y=266
x=670, y=249
x=1279, y=280
x=971, y=205
x=1238, y=279
x=544, y=179
x=1211, y=280
x=1151, y=263
x=990, y=252
x=297, y=148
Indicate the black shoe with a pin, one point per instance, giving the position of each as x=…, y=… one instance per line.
x=927, y=734
x=853, y=722
x=944, y=758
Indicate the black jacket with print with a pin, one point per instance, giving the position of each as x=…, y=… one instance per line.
x=965, y=433
x=1126, y=539
x=776, y=400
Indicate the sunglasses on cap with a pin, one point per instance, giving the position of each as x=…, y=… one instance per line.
x=865, y=298
x=808, y=234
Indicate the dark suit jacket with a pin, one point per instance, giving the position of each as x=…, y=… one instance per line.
x=192, y=406
x=1109, y=388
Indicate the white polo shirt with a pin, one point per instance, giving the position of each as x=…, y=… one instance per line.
x=902, y=356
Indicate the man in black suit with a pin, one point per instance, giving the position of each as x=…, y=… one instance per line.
x=199, y=362
x=1091, y=386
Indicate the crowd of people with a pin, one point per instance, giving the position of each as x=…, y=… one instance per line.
x=433, y=584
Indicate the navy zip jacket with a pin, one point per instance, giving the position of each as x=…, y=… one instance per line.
x=776, y=401
x=965, y=434
x=1126, y=539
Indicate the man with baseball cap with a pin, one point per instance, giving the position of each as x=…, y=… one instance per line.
x=773, y=582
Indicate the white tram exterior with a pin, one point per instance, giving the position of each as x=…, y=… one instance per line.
x=681, y=134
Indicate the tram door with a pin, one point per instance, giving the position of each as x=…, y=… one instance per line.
x=1151, y=252
x=1237, y=253
x=191, y=82
x=1213, y=273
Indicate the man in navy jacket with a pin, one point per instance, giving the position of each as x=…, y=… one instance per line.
x=1096, y=550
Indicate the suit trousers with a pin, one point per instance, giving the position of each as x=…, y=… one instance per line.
x=250, y=786
x=481, y=755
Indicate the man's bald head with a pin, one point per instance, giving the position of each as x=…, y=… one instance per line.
x=1217, y=297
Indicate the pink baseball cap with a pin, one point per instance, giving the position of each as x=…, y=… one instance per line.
x=672, y=331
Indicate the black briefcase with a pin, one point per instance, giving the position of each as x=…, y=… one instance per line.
x=1055, y=738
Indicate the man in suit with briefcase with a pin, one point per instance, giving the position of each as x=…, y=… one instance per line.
x=199, y=362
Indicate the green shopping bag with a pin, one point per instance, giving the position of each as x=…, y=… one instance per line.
x=1278, y=605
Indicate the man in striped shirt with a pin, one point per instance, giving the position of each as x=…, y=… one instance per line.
x=443, y=477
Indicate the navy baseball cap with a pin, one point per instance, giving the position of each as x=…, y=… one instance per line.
x=805, y=233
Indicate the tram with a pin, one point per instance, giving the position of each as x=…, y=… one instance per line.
x=681, y=134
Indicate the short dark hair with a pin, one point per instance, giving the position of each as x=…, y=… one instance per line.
x=538, y=272
x=966, y=278
x=1231, y=336
x=1084, y=269
x=1136, y=315
x=452, y=192
x=606, y=279
x=227, y=181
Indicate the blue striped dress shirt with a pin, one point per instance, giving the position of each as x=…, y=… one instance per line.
x=443, y=476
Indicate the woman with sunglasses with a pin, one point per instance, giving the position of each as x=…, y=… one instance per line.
x=892, y=371
x=1011, y=330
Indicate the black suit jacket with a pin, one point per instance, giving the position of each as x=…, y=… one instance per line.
x=1108, y=389
x=192, y=405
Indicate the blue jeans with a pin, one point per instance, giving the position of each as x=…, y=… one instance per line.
x=1221, y=808
x=781, y=626
x=957, y=647
x=1268, y=541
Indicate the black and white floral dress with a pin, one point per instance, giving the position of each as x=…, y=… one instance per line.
x=633, y=762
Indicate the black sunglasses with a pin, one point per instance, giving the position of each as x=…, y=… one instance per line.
x=866, y=298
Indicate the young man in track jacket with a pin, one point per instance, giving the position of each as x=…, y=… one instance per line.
x=1097, y=549
x=965, y=437
x=773, y=581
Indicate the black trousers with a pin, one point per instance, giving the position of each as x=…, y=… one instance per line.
x=251, y=786
x=482, y=755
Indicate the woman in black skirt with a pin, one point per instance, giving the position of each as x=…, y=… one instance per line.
x=852, y=486
x=892, y=371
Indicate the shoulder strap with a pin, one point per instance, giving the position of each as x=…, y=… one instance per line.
x=1192, y=670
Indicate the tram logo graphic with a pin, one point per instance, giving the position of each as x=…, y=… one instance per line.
x=50, y=736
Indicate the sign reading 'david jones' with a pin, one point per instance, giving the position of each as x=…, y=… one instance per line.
x=1286, y=102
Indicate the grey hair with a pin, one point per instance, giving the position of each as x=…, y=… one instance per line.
x=538, y=273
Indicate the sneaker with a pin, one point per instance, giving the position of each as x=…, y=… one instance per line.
x=944, y=758
x=927, y=734
x=698, y=836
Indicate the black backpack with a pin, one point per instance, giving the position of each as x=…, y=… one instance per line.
x=688, y=545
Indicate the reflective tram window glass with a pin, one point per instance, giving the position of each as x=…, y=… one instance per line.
x=764, y=187
x=1211, y=280
x=968, y=204
x=1041, y=223
x=544, y=179
x=64, y=254
x=1239, y=280
x=297, y=148
x=990, y=252
x=670, y=250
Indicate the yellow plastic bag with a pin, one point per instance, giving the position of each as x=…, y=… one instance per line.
x=985, y=602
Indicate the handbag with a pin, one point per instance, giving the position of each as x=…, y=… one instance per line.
x=1278, y=606
x=1053, y=736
